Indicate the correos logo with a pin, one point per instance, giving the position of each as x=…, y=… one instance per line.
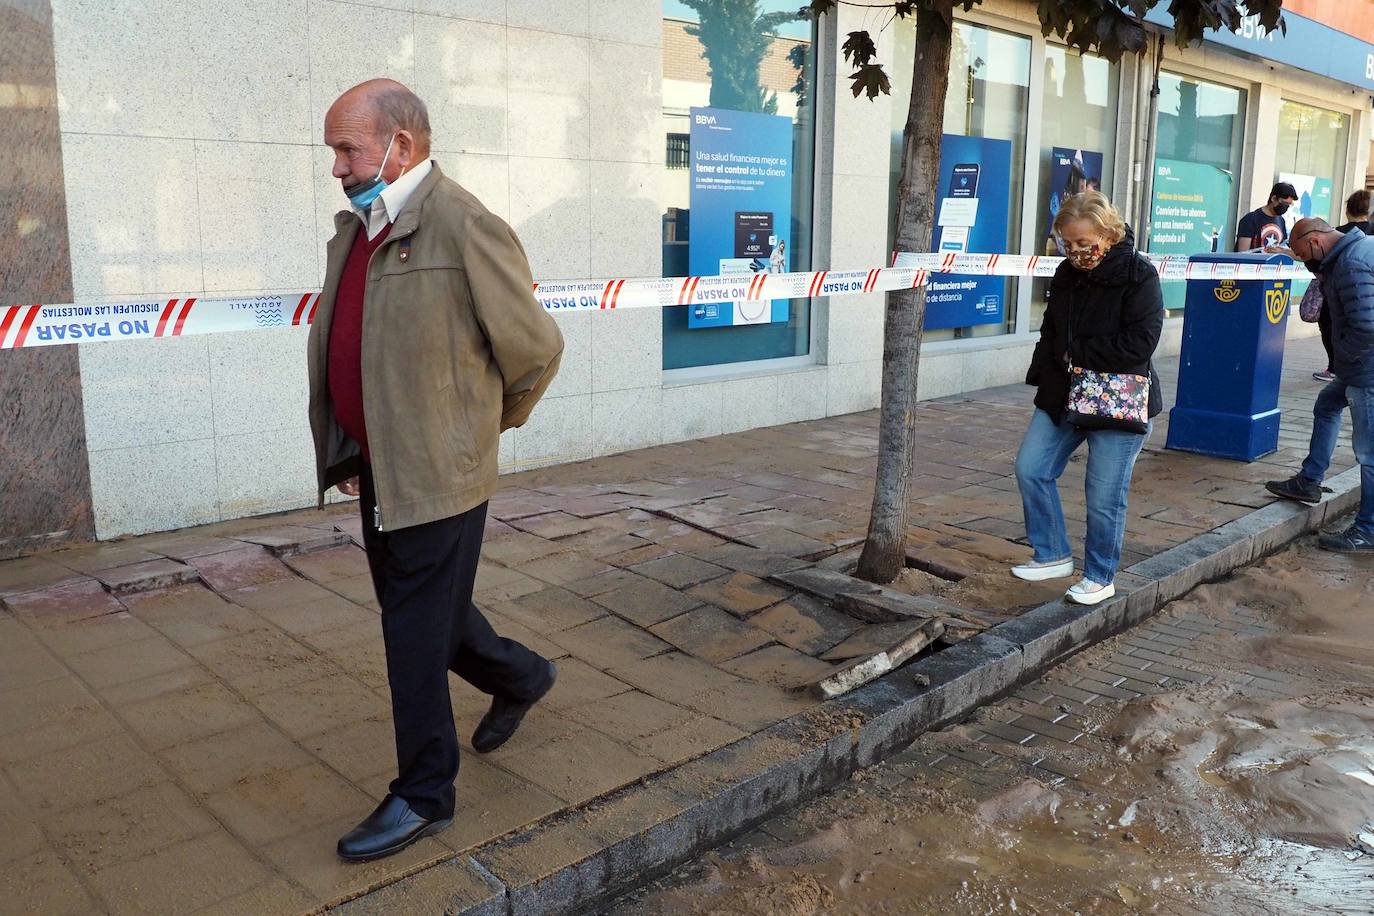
x=1275, y=304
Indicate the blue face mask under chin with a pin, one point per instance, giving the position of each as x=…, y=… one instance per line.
x=362, y=194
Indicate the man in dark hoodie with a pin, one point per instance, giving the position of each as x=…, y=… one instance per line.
x=1345, y=262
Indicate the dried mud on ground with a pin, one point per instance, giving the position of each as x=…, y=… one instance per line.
x=1236, y=796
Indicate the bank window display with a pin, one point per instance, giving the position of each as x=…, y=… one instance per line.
x=1077, y=143
x=981, y=174
x=1200, y=134
x=736, y=192
x=1311, y=157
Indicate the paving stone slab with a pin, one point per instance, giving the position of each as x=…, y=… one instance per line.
x=711, y=634
x=805, y=624
x=825, y=584
x=290, y=540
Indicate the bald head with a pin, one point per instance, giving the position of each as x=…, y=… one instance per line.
x=1312, y=238
x=368, y=118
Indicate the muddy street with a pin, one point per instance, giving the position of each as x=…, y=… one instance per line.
x=1217, y=759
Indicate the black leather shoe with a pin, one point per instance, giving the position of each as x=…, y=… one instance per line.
x=387, y=830
x=1296, y=489
x=504, y=717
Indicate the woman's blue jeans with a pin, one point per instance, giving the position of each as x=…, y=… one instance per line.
x=1041, y=461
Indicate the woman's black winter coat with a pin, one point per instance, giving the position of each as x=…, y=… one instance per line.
x=1116, y=313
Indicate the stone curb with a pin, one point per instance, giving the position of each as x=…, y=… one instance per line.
x=577, y=860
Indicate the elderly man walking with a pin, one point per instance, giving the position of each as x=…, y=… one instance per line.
x=428, y=343
x=1345, y=262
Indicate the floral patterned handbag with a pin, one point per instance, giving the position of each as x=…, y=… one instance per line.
x=1108, y=400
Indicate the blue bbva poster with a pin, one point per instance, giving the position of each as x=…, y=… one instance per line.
x=741, y=200
x=972, y=205
x=1072, y=171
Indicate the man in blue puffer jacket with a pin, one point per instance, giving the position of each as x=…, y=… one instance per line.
x=1346, y=265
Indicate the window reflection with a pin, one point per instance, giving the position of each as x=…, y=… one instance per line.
x=753, y=56
x=987, y=97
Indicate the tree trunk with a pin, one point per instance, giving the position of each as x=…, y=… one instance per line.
x=884, y=552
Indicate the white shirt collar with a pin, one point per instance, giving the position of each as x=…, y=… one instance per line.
x=392, y=200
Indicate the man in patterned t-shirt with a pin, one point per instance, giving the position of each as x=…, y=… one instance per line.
x=1264, y=228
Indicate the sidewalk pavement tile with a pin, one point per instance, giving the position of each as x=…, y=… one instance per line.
x=579, y=683
x=606, y=642
x=42, y=876
x=309, y=859
x=751, y=560
x=180, y=878
x=548, y=765
x=673, y=676
x=549, y=610
x=327, y=614
x=129, y=826
x=282, y=802
x=359, y=750
x=324, y=566
x=210, y=764
x=102, y=632
x=20, y=668
x=277, y=897
x=277, y=594
x=739, y=593
x=806, y=624
x=646, y=602
x=314, y=707
x=116, y=665
x=191, y=615
x=28, y=574
x=179, y=716
x=69, y=600
x=779, y=666
x=359, y=589
x=145, y=576
x=263, y=660
x=240, y=568
x=153, y=685
x=698, y=735
x=86, y=774
x=711, y=634
x=493, y=802
x=678, y=571
x=630, y=715
x=562, y=568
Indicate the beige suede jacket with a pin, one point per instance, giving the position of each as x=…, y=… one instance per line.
x=456, y=349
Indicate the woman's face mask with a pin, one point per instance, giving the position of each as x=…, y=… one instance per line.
x=1085, y=257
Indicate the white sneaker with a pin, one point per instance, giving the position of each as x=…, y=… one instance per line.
x=1038, y=572
x=1086, y=591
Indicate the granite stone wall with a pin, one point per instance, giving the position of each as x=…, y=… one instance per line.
x=45, y=493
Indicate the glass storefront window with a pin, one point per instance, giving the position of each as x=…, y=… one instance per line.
x=987, y=98
x=1077, y=143
x=1311, y=156
x=743, y=62
x=1200, y=135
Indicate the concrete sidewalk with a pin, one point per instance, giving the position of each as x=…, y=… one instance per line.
x=189, y=721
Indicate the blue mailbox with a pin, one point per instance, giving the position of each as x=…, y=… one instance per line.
x=1230, y=364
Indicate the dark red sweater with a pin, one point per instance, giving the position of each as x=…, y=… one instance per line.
x=346, y=340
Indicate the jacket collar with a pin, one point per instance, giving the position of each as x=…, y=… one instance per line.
x=409, y=219
x=1337, y=250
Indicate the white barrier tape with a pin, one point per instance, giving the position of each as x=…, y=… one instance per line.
x=51, y=325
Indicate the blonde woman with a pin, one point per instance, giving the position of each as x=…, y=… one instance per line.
x=1105, y=313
